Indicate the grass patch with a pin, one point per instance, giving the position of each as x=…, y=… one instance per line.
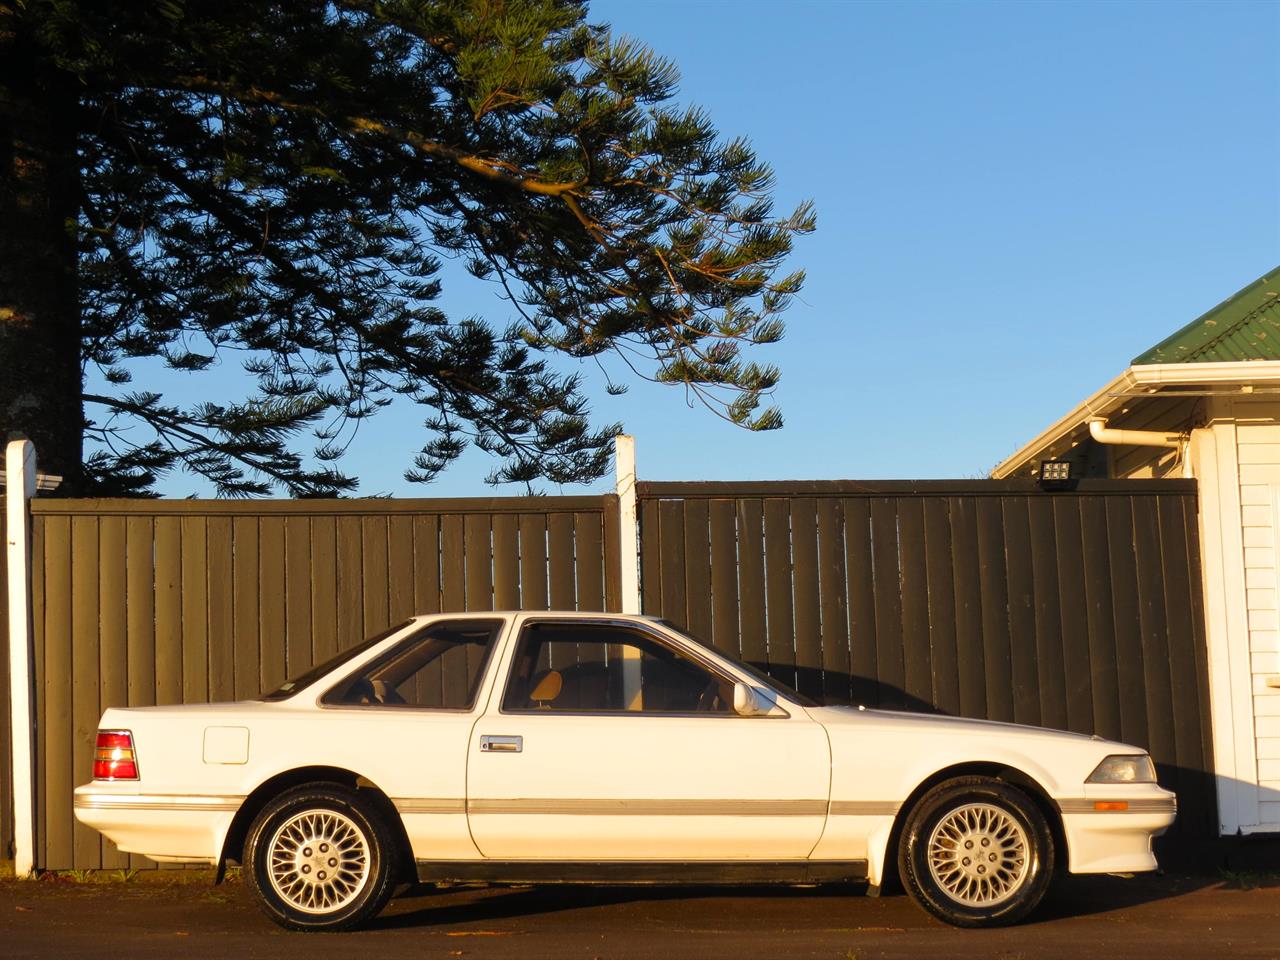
x=1250, y=879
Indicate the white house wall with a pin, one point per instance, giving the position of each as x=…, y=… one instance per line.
x=1237, y=461
x=1258, y=449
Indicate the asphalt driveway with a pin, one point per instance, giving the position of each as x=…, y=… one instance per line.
x=1159, y=917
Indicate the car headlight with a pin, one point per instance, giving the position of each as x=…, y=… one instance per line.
x=1129, y=768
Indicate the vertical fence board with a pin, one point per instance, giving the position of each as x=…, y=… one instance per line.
x=671, y=523
x=221, y=609
x=299, y=637
x=651, y=598
x=324, y=588
x=506, y=562
x=697, y=569
x=195, y=611
x=479, y=572
x=1100, y=614
x=373, y=574
x=453, y=583
x=58, y=775
x=140, y=600
x=1075, y=626
x=1044, y=576
x=860, y=575
x=560, y=561
x=1187, y=756
x=993, y=582
x=426, y=597
x=85, y=672
x=244, y=534
x=777, y=572
x=942, y=606
x=1201, y=776
x=1022, y=612
x=751, y=591
x=426, y=564
x=804, y=587
x=273, y=640
x=453, y=587
x=113, y=665
x=726, y=633
x=534, y=592
x=588, y=546
x=168, y=572
x=479, y=562
x=613, y=554
x=350, y=592
x=39, y=617
x=833, y=593
x=400, y=569
x=1127, y=654
x=968, y=592
x=917, y=670
x=1155, y=631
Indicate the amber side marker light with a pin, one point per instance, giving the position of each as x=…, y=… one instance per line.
x=1111, y=805
x=113, y=757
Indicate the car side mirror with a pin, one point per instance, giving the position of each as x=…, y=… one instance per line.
x=749, y=701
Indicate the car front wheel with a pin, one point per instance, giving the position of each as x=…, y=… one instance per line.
x=976, y=852
x=318, y=859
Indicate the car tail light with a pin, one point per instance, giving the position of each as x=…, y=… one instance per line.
x=113, y=757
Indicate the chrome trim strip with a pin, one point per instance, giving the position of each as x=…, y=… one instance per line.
x=1144, y=805
x=156, y=801
x=427, y=805
x=864, y=808
x=651, y=808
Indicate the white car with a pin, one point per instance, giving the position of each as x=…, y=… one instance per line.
x=518, y=747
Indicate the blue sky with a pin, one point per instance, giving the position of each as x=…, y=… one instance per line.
x=1014, y=200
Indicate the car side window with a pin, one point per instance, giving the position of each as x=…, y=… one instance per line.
x=598, y=668
x=438, y=668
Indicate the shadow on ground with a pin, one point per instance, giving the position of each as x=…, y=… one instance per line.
x=427, y=906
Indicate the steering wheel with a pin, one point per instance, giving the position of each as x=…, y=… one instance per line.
x=710, y=701
x=361, y=691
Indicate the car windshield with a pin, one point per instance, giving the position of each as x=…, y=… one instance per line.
x=302, y=681
x=766, y=679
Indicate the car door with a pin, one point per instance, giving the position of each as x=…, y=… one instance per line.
x=612, y=741
x=407, y=715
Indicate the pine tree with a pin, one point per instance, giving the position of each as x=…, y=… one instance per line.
x=277, y=184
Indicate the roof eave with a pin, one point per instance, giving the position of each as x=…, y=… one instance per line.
x=1115, y=394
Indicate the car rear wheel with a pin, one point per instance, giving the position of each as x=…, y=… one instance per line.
x=976, y=852
x=317, y=858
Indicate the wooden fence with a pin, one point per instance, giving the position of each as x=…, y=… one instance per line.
x=1077, y=610
x=141, y=602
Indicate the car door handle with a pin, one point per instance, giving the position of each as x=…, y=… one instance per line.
x=500, y=744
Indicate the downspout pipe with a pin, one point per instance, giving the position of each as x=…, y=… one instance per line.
x=1100, y=432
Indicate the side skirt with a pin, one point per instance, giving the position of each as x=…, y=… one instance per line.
x=643, y=871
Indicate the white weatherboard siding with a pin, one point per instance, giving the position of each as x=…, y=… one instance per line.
x=1237, y=461
x=1258, y=446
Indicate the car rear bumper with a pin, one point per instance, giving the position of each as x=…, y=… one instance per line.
x=162, y=826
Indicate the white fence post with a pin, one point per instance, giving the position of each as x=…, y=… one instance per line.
x=624, y=460
x=20, y=487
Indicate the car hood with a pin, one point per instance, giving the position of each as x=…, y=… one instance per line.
x=941, y=724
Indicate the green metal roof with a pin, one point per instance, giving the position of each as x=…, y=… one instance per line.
x=1245, y=326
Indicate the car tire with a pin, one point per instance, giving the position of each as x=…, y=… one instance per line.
x=318, y=858
x=976, y=852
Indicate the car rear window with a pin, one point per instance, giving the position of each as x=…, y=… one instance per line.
x=299, y=683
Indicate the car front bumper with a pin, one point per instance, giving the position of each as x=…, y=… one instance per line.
x=1101, y=839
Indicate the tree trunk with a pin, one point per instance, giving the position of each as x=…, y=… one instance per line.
x=40, y=379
